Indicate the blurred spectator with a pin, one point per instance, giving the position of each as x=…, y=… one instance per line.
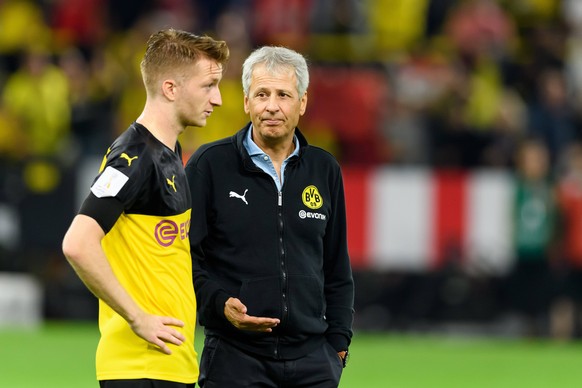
x=350, y=101
x=396, y=25
x=22, y=24
x=418, y=81
x=181, y=14
x=550, y=114
x=572, y=13
x=480, y=28
x=542, y=48
x=509, y=128
x=91, y=103
x=128, y=93
x=456, y=140
x=281, y=22
x=535, y=209
x=11, y=137
x=568, y=309
x=124, y=14
x=338, y=17
x=339, y=32
x=37, y=94
x=437, y=14
x=210, y=11
x=482, y=35
x=530, y=13
x=79, y=23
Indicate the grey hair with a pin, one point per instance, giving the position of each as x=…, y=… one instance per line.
x=275, y=59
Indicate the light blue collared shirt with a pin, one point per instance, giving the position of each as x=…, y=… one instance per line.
x=263, y=161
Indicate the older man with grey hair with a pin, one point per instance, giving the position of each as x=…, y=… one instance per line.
x=270, y=258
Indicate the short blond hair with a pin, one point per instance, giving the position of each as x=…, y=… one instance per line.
x=170, y=51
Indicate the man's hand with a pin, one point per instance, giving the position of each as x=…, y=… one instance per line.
x=158, y=330
x=343, y=355
x=236, y=312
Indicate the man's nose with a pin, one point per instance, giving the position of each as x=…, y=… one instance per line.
x=216, y=98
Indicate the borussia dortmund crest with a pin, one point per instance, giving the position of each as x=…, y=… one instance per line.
x=311, y=197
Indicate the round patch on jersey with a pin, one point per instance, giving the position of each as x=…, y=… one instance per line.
x=311, y=197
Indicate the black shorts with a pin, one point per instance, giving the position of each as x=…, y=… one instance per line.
x=142, y=383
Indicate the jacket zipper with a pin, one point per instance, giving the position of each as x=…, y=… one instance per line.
x=284, y=300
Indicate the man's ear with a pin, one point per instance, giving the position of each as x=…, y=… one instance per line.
x=303, y=104
x=246, y=104
x=169, y=89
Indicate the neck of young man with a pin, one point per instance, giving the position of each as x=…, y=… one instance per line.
x=160, y=129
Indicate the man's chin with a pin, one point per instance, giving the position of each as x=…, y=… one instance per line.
x=198, y=123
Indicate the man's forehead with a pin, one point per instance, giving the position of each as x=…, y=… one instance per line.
x=209, y=67
x=262, y=74
x=278, y=70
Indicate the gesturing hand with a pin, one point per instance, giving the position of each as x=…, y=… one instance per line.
x=158, y=330
x=236, y=312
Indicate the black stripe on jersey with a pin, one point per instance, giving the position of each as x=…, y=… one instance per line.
x=105, y=211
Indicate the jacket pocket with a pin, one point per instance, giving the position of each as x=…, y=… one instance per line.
x=306, y=305
x=262, y=296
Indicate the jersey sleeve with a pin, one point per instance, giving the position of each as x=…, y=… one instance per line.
x=122, y=180
x=105, y=211
x=124, y=175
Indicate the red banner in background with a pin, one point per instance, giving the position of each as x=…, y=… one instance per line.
x=356, y=181
x=419, y=220
x=449, y=217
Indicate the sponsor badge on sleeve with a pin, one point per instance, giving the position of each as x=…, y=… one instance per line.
x=109, y=183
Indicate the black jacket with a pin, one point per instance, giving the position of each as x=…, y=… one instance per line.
x=284, y=256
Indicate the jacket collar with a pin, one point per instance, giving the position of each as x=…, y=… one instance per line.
x=237, y=140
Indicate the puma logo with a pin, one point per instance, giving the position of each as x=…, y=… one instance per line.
x=241, y=197
x=171, y=182
x=128, y=158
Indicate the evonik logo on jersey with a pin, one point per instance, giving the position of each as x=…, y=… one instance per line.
x=167, y=231
x=312, y=215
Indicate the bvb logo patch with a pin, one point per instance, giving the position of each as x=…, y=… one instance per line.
x=311, y=197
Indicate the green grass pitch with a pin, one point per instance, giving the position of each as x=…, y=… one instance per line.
x=62, y=355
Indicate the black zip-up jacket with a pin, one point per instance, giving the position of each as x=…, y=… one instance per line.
x=284, y=255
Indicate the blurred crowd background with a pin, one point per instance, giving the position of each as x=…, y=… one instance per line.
x=442, y=85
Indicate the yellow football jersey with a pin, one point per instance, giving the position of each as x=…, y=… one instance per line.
x=149, y=251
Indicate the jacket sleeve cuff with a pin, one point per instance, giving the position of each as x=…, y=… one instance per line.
x=219, y=302
x=338, y=342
